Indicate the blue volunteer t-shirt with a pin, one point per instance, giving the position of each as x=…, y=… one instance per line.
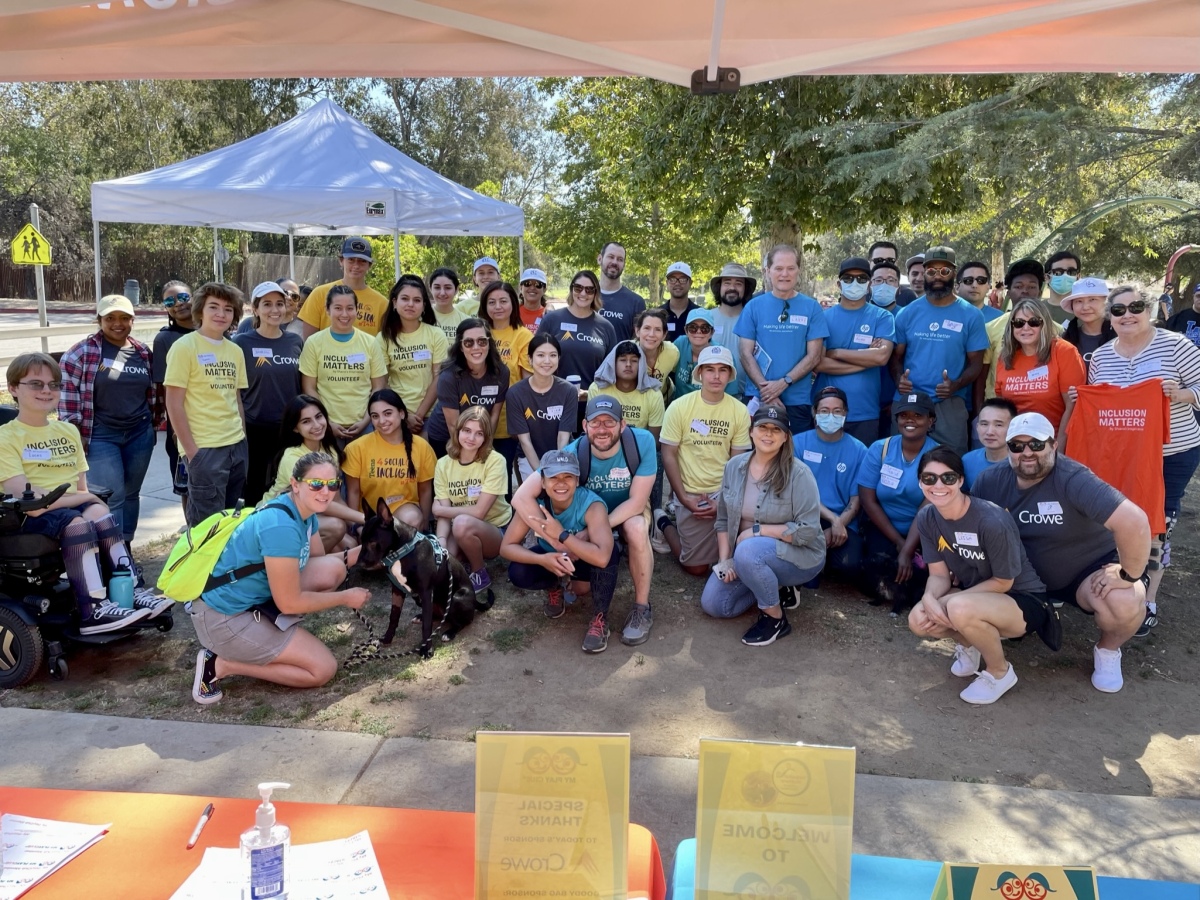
x=266, y=532
x=937, y=339
x=610, y=479
x=780, y=345
x=976, y=461
x=574, y=517
x=855, y=330
x=894, y=480
x=989, y=312
x=835, y=465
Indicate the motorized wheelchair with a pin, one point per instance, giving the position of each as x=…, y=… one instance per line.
x=39, y=615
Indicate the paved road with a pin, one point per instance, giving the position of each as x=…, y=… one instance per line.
x=144, y=330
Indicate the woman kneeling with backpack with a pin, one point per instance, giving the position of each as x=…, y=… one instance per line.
x=240, y=637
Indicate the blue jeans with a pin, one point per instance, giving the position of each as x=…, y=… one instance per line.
x=117, y=460
x=760, y=573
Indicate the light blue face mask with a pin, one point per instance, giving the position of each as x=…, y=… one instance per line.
x=883, y=295
x=1062, y=284
x=830, y=423
x=854, y=290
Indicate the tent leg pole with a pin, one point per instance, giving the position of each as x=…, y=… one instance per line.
x=216, y=258
x=521, y=254
x=292, y=254
x=396, y=251
x=96, y=255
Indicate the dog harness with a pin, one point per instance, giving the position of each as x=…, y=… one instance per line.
x=439, y=557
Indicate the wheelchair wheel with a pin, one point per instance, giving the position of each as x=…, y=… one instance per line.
x=21, y=649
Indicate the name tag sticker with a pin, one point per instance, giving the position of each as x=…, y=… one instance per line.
x=423, y=355
x=951, y=325
x=1150, y=367
x=699, y=426
x=618, y=473
x=32, y=454
x=670, y=326
x=569, y=326
x=490, y=390
x=554, y=412
x=719, y=330
x=863, y=339
x=474, y=490
x=206, y=359
x=1039, y=373
x=813, y=456
x=889, y=481
x=117, y=365
x=261, y=352
x=356, y=358
x=1050, y=508
x=967, y=538
x=799, y=320
x=891, y=472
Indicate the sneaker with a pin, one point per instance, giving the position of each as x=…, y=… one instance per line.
x=144, y=598
x=766, y=630
x=658, y=541
x=638, y=625
x=553, y=607
x=788, y=597
x=1107, y=675
x=1144, y=629
x=107, y=616
x=966, y=661
x=596, y=639
x=204, y=685
x=671, y=508
x=985, y=689
x=480, y=580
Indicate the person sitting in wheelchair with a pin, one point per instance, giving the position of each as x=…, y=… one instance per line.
x=44, y=454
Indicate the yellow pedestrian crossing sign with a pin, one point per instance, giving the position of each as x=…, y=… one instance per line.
x=29, y=248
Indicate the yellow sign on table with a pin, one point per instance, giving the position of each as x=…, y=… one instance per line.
x=775, y=820
x=551, y=815
x=29, y=248
x=971, y=882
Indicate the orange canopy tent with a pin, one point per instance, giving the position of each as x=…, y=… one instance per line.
x=671, y=40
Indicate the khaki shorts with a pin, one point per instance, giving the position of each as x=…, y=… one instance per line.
x=697, y=537
x=246, y=637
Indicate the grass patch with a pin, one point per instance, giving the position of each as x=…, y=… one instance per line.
x=303, y=712
x=163, y=701
x=390, y=697
x=152, y=670
x=457, y=679
x=258, y=714
x=376, y=725
x=488, y=726
x=510, y=640
x=967, y=779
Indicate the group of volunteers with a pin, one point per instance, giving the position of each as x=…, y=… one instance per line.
x=979, y=456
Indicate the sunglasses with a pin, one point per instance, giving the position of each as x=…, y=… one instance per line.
x=946, y=478
x=39, y=386
x=700, y=327
x=318, y=483
x=1034, y=322
x=876, y=260
x=292, y=295
x=1137, y=307
x=973, y=279
x=1019, y=446
x=179, y=298
x=850, y=279
x=530, y=284
x=1064, y=271
x=939, y=272
x=787, y=311
x=468, y=343
x=584, y=289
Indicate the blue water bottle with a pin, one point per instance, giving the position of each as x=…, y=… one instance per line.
x=120, y=586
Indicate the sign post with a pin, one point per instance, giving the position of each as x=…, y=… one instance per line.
x=29, y=248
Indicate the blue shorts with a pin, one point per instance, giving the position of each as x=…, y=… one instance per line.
x=51, y=524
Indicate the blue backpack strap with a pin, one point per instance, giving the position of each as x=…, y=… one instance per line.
x=216, y=581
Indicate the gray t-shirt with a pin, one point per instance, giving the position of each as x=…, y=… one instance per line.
x=119, y=392
x=620, y=309
x=273, y=370
x=460, y=390
x=584, y=342
x=542, y=416
x=1060, y=519
x=164, y=341
x=983, y=544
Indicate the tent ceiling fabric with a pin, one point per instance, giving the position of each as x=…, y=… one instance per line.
x=322, y=172
x=42, y=40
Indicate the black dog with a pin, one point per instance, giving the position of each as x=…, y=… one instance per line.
x=426, y=570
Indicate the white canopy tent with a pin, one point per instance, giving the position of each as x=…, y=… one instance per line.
x=322, y=172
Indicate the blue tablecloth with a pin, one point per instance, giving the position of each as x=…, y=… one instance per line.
x=886, y=878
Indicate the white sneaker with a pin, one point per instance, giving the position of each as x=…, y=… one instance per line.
x=966, y=661
x=658, y=541
x=1107, y=675
x=985, y=689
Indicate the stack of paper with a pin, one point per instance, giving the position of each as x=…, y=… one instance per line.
x=35, y=848
x=330, y=870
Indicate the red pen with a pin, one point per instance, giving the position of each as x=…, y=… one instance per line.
x=204, y=817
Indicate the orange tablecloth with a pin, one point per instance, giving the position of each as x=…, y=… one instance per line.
x=423, y=854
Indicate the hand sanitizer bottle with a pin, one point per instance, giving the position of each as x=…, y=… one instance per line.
x=265, y=850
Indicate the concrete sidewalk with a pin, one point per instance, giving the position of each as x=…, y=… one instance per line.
x=1132, y=837
x=162, y=512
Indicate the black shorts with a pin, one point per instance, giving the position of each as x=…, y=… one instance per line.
x=1041, y=618
x=1067, y=594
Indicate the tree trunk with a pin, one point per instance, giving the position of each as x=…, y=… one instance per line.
x=784, y=233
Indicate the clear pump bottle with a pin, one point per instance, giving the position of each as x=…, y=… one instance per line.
x=265, y=849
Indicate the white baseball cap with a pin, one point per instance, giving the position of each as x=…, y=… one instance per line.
x=1035, y=425
x=267, y=287
x=679, y=267
x=534, y=275
x=712, y=355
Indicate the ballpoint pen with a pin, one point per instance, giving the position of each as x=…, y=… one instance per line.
x=204, y=817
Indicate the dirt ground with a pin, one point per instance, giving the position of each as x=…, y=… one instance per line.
x=849, y=674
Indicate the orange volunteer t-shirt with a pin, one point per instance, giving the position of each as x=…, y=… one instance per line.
x=1040, y=388
x=532, y=318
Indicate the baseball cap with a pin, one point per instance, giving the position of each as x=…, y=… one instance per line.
x=1035, y=425
x=831, y=390
x=712, y=355
x=558, y=462
x=917, y=402
x=940, y=254
x=267, y=287
x=1025, y=267
x=603, y=405
x=356, y=248
x=854, y=262
x=700, y=315
x=112, y=303
x=531, y=275
x=679, y=267
x=913, y=260
x=773, y=414
x=484, y=261
x=1084, y=287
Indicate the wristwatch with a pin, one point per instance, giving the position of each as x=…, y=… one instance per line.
x=787, y=379
x=562, y=538
x=1125, y=576
x=756, y=530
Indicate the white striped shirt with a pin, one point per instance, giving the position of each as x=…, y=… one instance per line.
x=1168, y=356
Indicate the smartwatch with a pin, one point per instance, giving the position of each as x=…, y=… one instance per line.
x=756, y=530
x=562, y=538
x=1134, y=579
x=787, y=379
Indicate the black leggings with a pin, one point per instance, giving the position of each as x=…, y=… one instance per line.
x=262, y=445
x=532, y=577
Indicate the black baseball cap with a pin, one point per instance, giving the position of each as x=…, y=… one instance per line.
x=915, y=402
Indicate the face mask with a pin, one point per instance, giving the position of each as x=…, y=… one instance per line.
x=854, y=291
x=830, y=423
x=1062, y=284
x=883, y=295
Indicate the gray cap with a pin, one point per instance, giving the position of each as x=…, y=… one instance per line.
x=558, y=462
x=603, y=405
x=733, y=270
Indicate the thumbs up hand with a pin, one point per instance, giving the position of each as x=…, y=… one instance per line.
x=945, y=387
x=904, y=385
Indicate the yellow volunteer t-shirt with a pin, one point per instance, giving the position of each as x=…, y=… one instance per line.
x=461, y=485
x=47, y=455
x=448, y=322
x=211, y=374
x=705, y=434
x=668, y=359
x=371, y=307
x=382, y=469
x=283, y=478
x=513, y=346
x=469, y=306
x=411, y=360
x=643, y=409
x=343, y=371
